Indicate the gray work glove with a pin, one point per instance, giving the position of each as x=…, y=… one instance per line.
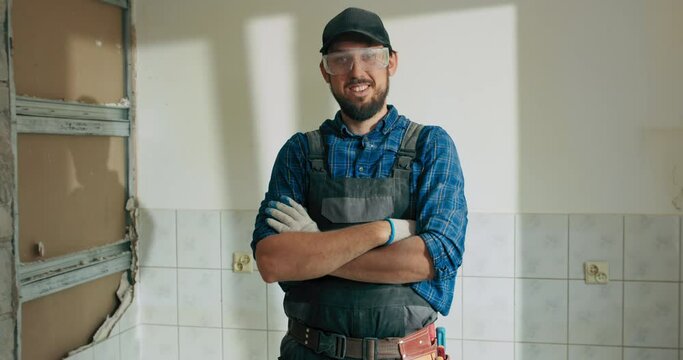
x=400, y=230
x=287, y=215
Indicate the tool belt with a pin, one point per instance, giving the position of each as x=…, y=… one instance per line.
x=418, y=345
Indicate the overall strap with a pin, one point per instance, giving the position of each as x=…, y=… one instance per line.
x=406, y=153
x=316, y=151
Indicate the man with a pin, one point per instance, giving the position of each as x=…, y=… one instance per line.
x=364, y=220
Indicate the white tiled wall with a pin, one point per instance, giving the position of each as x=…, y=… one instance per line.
x=541, y=245
x=541, y=310
x=583, y=352
x=651, y=248
x=531, y=351
x=200, y=343
x=197, y=305
x=545, y=310
x=596, y=237
x=520, y=294
x=491, y=247
x=596, y=313
x=651, y=314
x=488, y=309
x=121, y=344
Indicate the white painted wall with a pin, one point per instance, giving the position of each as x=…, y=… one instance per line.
x=556, y=106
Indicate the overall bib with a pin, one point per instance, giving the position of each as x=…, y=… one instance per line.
x=350, y=308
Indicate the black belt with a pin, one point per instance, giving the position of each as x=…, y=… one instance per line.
x=338, y=346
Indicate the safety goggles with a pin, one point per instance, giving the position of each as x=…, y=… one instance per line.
x=340, y=63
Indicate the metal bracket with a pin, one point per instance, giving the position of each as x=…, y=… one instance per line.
x=41, y=116
x=45, y=125
x=29, y=106
x=45, y=277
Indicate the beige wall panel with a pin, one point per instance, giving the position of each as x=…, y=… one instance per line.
x=71, y=193
x=53, y=325
x=68, y=49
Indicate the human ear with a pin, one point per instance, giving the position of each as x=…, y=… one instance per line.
x=393, y=63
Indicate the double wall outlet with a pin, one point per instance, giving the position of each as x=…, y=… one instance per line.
x=596, y=272
x=242, y=262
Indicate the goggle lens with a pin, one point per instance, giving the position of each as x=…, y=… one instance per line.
x=340, y=63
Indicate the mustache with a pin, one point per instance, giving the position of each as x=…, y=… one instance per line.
x=357, y=81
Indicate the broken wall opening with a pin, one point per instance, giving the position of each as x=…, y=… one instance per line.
x=68, y=50
x=55, y=324
x=72, y=166
x=72, y=193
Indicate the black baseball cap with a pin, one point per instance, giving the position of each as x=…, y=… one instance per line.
x=355, y=20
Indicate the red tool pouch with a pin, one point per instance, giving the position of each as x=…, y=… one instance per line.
x=421, y=345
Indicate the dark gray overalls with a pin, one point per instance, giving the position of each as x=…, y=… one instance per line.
x=345, y=307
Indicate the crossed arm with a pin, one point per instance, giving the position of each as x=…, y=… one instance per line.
x=403, y=262
x=355, y=253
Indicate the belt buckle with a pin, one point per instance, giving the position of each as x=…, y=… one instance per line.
x=334, y=345
x=340, y=349
x=368, y=343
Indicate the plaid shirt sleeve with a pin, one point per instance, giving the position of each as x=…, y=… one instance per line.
x=441, y=214
x=288, y=178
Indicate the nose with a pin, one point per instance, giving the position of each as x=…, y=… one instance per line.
x=356, y=68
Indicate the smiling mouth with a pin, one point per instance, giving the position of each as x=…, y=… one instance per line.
x=358, y=89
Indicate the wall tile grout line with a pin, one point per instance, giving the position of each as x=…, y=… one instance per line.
x=462, y=318
x=183, y=267
x=184, y=326
x=623, y=285
x=462, y=335
x=204, y=327
x=267, y=321
x=462, y=315
x=567, y=280
x=514, y=286
x=220, y=252
x=177, y=280
x=556, y=343
x=570, y=344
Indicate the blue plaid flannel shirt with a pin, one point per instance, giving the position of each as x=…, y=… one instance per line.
x=437, y=188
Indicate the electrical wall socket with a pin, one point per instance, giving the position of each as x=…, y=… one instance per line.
x=596, y=272
x=242, y=262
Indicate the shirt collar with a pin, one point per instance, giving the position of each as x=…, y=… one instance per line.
x=385, y=125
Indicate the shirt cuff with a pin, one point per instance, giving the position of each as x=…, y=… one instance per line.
x=443, y=267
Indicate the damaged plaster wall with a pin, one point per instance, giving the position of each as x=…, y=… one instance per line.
x=71, y=191
x=53, y=324
x=69, y=50
x=8, y=297
x=116, y=338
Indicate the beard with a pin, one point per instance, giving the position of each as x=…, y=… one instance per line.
x=362, y=112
